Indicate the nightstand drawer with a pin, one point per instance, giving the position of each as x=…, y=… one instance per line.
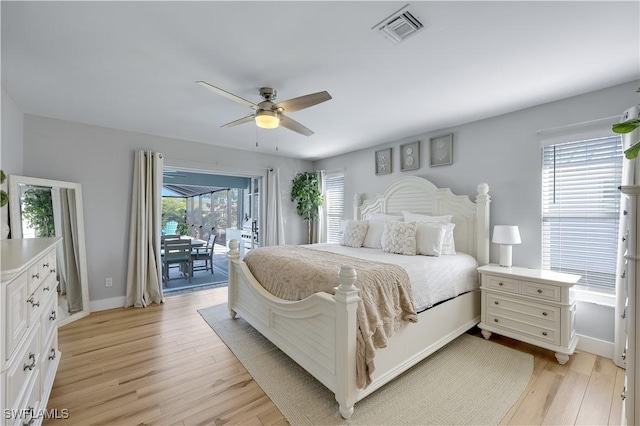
x=540, y=313
x=501, y=283
x=550, y=335
x=541, y=291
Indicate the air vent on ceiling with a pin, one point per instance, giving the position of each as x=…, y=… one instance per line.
x=400, y=25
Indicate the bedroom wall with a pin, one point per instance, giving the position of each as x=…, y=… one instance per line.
x=11, y=142
x=503, y=151
x=101, y=159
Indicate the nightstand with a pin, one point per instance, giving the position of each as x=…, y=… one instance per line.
x=531, y=305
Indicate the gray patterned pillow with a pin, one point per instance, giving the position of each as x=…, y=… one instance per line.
x=399, y=237
x=354, y=233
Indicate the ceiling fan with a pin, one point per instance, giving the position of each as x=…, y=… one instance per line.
x=270, y=115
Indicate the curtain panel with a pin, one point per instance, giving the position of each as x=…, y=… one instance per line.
x=144, y=275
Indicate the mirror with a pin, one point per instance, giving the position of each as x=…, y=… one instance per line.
x=46, y=208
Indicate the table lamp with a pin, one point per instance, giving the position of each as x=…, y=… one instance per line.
x=506, y=235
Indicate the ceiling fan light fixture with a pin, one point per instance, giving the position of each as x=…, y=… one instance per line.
x=267, y=120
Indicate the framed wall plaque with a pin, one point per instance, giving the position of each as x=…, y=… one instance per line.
x=410, y=156
x=441, y=150
x=383, y=161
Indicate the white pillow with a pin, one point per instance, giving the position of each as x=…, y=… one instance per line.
x=399, y=237
x=448, y=246
x=413, y=217
x=373, y=239
x=429, y=238
x=354, y=233
x=383, y=217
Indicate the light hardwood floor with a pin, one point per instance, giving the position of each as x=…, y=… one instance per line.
x=164, y=365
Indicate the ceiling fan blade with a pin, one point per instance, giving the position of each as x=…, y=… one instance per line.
x=294, y=125
x=302, y=102
x=242, y=120
x=228, y=95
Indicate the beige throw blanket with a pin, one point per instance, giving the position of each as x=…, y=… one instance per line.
x=294, y=273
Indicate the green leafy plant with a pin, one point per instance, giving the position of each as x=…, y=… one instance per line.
x=4, y=197
x=628, y=127
x=37, y=209
x=305, y=191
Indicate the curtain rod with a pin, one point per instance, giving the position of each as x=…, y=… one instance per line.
x=584, y=123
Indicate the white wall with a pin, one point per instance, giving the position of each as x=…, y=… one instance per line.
x=503, y=151
x=101, y=159
x=11, y=142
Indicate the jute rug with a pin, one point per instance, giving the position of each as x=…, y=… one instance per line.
x=469, y=381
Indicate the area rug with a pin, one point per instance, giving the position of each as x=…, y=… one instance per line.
x=468, y=382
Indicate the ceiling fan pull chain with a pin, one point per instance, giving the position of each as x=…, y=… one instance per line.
x=256, y=137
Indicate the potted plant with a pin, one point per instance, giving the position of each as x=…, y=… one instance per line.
x=628, y=127
x=305, y=191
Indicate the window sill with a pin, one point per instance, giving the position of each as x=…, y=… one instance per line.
x=597, y=297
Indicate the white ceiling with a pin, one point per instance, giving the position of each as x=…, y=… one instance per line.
x=133, y=65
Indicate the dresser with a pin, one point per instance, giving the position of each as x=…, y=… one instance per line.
x=29, y=355
x=630, y=395
x=531, y=305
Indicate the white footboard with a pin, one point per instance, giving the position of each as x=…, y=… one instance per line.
x=319, y=332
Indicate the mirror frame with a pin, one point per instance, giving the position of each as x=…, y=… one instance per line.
x=16, y=230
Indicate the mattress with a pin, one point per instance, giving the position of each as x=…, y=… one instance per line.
x=433, y=279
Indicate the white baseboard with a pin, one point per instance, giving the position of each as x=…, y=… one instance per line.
x=105, y=304
x=595, y=346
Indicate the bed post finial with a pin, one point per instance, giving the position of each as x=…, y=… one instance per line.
x=357, y=203
x=483, y=199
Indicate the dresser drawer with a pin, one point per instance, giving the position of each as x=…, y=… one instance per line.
x=501, y=283
x=546, y=334
x=23, y=370
x=16, y=316
x=540, y=291
x=527, y=311
x=48, y=319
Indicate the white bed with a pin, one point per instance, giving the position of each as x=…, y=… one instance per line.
x=319, y=332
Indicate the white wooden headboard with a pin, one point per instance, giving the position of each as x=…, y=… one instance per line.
x=418, y=195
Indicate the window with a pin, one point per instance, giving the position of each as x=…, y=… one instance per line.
x=334, y=193
x=580, y=209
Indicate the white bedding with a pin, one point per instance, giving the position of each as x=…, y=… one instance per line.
x=433, y=279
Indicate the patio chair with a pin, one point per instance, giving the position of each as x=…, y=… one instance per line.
x=204, y=254
x=177, y=252
x=171, y=227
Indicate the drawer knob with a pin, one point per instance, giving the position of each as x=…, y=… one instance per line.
x=53, y=354
x=32, y=419
x=624, y=354
x=496, y=302
x=500, y=284
x=495, y=319
x=544, y=333
x=53, y=316
x=623, y=395
x=46, y=265
x=539, y=290
x=30, y=367
x=34, y=304
x=544, y=314
x=53, y=271
x=37, y=276
x=45, y=288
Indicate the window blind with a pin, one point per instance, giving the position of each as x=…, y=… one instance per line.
x=580, y=209
x=334, y=198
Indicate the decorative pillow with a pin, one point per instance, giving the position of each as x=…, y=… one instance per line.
x=376, y=228
x=354, y=233
x=413, y=217
x=399, y=237
x=429, y=238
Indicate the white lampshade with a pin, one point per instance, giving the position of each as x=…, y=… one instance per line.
x=506, y=234
x=267, y=119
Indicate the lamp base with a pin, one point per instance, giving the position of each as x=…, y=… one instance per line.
x=505, y=255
